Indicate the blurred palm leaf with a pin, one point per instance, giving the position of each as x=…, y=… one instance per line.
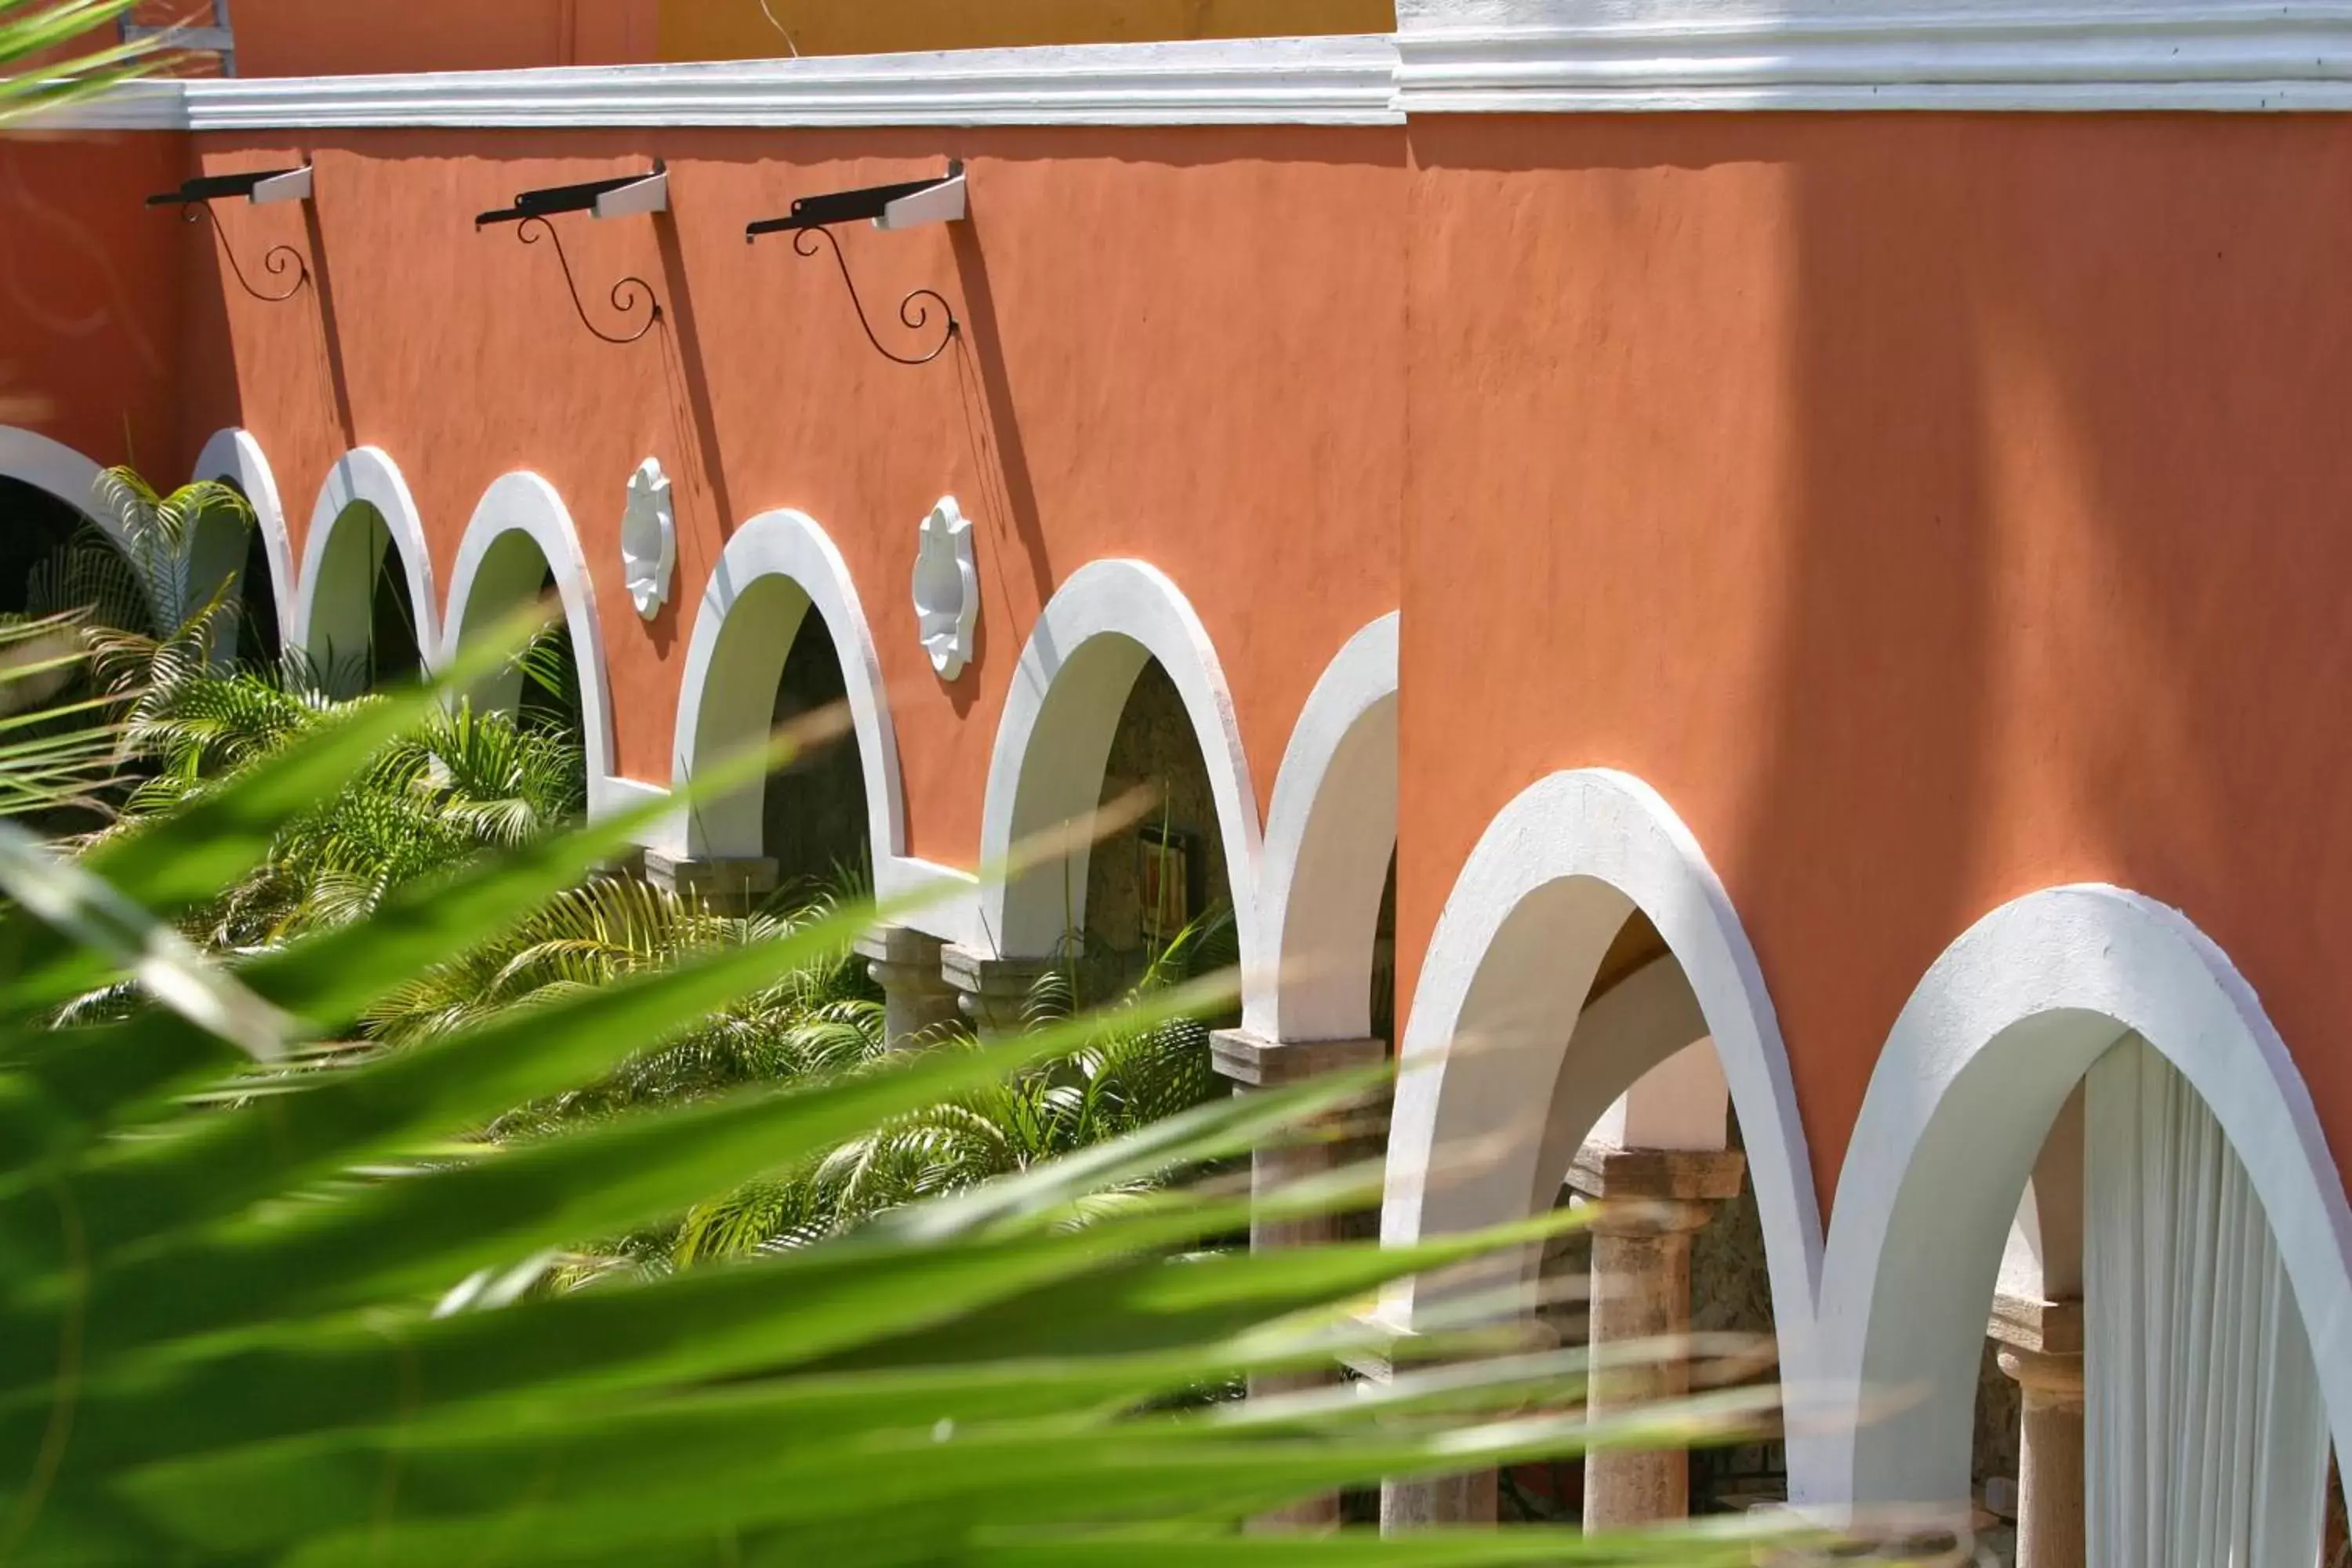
x=49, y=31
x=261, y=1315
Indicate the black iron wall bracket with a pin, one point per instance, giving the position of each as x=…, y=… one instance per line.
x=904, y=205
x=630, y=195
x=264, y=187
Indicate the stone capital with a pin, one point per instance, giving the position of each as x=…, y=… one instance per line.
x=2042, y=1328
x=733, y=886
x=899, y=955
x=1663, y=1175
x=996, y=991
x=1255, y=1062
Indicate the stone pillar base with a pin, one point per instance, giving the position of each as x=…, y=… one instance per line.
x=994, y=992
x=1652, y=1199
x=919, y=1006
x=734, y=887
x=2041, y=1352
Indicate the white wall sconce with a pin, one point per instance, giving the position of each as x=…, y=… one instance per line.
x=947, y=588
x=649, y=538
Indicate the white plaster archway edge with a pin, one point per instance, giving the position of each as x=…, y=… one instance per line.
x=794, y=546
x=2032, y=994
x=1047, y=767
x=367, y=474
x=60, y=470
x=1604, y=826
x=1329, y=837
x=233, y=456
x=1889, y=1307
x=524, y=502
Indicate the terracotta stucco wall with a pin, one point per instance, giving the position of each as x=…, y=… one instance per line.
x=1933, y=508
x=306, y=37
x=91, y=293
x=1183, y=345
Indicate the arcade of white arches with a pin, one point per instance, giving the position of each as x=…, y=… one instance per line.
x=1744, y=589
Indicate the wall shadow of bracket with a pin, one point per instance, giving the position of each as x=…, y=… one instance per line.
x=628, y=195
x=908, y=205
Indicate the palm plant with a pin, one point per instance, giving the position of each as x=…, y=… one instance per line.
x=260, y=1314
x=1123, y=1076
x=49, y=31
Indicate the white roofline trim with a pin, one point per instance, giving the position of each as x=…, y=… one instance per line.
x=1539, y=57
x=1977, y=55
x=1338, y=80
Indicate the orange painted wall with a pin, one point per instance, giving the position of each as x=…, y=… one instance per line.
x=306, y=37
x=91, y=294
x=1933, y=507
x=1186, y=345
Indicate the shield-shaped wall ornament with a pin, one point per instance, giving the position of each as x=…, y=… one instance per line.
x=649, y=538
x=947, y=588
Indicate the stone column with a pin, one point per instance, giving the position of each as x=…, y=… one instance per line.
x=994, y=992
x=726, y=887
x=1257, y=1064
x=2041, y=1352
x=1652, y=1199
x=918, y=1003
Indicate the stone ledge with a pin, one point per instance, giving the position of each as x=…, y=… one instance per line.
x=2042, y=1328
x=748, y=880
x=1681, y=1175
x=1258, y=1063
x=903, y=947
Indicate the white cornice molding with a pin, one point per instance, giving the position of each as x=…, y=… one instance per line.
x=1534, y=57
x=1542, y=57
x=1347, y=80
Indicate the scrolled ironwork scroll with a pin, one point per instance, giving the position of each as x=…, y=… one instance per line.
x=277, y=261
x=628, y=295
x=914, y=314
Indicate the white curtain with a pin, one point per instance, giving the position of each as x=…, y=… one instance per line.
x=2205, y=1437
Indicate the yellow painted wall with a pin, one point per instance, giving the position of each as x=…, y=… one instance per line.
x=735, y=29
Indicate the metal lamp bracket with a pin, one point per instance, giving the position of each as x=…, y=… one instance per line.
x=264, y=187
x=630, y=195
x=906, y=206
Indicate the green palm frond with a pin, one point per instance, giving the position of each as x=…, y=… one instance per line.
x=33, y=29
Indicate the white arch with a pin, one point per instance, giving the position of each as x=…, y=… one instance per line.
x=1983, y=1058
x=490, y=581
x=1489, y=1059
x=233, y=457
x=728, y=697
x=366, y=474
x=1061, y=714
x=1330, y=835
x=59, y=470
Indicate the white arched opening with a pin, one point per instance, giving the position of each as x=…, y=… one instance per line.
x=776, y=568
x=1496, y=1061
x=219, y=554
x=363, y=509
x=57, y=471
x=1329, y=835
x=1083, y=657
x=1978, y=1069
x=520, y=535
